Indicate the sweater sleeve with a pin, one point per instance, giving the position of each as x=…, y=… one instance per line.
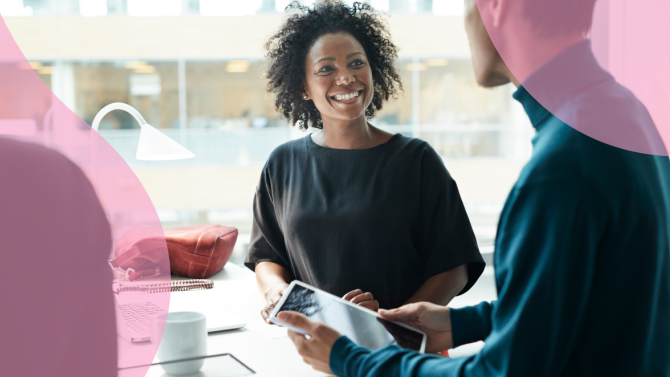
x=544, y=270
x=471, y=324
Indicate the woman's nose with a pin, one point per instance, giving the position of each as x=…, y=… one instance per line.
x=346, y=78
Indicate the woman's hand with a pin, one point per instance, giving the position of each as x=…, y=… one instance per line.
x=272, y=281
x=272, y=296
x=363, y=299
x=432, y=319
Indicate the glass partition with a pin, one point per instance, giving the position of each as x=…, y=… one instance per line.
x=149, y=86
x=228, y=120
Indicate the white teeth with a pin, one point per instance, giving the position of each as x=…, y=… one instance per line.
x=346, y=97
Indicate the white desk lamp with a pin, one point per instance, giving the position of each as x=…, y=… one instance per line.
x=154, y=145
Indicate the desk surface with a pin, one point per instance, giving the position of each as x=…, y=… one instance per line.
x=262, y=354
x=235, y=287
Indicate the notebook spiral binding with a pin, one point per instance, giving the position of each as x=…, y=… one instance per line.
x=173, y=286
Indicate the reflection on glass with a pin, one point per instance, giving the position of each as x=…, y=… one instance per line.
x=149, y=86
x=302, y=300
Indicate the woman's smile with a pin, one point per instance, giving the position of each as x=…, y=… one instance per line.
x=347, y=98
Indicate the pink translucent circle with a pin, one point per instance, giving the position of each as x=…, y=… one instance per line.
x=67, y=198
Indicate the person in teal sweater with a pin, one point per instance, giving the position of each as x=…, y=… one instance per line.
x=582, y=260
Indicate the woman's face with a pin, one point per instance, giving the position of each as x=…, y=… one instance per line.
x=338, y=77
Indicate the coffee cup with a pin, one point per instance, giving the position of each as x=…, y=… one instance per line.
x=184, y=337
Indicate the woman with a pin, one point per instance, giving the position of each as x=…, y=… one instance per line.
x=354, y=210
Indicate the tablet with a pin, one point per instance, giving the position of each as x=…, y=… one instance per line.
x=222, y=365
x=363, y=326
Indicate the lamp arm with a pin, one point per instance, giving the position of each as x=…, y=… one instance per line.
x=117, y=106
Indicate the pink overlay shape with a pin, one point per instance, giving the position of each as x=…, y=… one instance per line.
x=629, y=42
x=66, y=199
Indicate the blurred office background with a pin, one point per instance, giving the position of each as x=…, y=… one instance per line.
x=194, y=69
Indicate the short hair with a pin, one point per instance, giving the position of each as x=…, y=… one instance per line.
x=287, y=50
x=552, y=18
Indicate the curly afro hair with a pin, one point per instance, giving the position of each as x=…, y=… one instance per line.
x=288, y=48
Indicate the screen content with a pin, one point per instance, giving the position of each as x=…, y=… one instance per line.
x=362, y=327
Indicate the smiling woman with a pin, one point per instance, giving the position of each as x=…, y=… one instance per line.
x=287, y=50
x=356, y=211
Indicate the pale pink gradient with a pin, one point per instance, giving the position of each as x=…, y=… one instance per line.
x=58, y=230
x=630, y=41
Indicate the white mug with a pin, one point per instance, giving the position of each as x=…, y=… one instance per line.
x=184, y=337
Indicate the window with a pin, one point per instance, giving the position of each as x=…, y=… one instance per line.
x=218, y=109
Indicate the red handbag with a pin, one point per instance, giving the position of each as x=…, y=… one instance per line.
x=195, y=251
x=200, y=251
x=139, y=253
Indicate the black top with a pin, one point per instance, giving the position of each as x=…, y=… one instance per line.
x=383, y=219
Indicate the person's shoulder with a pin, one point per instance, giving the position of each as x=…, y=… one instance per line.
x=612, y=96
x=19, y=147
x=611, y=113
x=414, y=146
x=285, y=155
x=557, y=156
x=32, y=158
x=44, y=173
x=420, y=154
x=564, y=156
x=290, y=148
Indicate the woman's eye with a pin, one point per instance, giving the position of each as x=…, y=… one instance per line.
x=325, y=68
x=357, y=62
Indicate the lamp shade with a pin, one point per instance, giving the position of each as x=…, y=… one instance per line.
x=155, y=146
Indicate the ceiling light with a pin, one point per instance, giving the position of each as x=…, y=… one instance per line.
x=145, y=69
x=238, y=66
x=437, y=62
x=416, y=67
x=134, y=64
x=30, y=65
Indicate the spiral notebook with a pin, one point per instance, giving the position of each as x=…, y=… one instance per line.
x=135, y=308
x=173, y=286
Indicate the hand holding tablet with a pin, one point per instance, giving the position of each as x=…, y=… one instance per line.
x=361, y=325
x=434, y=320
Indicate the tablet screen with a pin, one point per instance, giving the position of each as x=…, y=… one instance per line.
x=360, y=325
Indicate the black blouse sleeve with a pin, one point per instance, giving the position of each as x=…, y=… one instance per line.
x=446, y=236
x=267, y=240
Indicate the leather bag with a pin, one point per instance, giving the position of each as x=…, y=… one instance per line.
x=139, y=253
x=197, y=251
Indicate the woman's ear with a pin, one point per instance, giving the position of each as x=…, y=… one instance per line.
x=304, y=95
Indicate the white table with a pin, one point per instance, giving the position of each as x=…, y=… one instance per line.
x=236, y=287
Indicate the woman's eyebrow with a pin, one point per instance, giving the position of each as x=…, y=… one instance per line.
x=333, y=59
x=317, y=62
